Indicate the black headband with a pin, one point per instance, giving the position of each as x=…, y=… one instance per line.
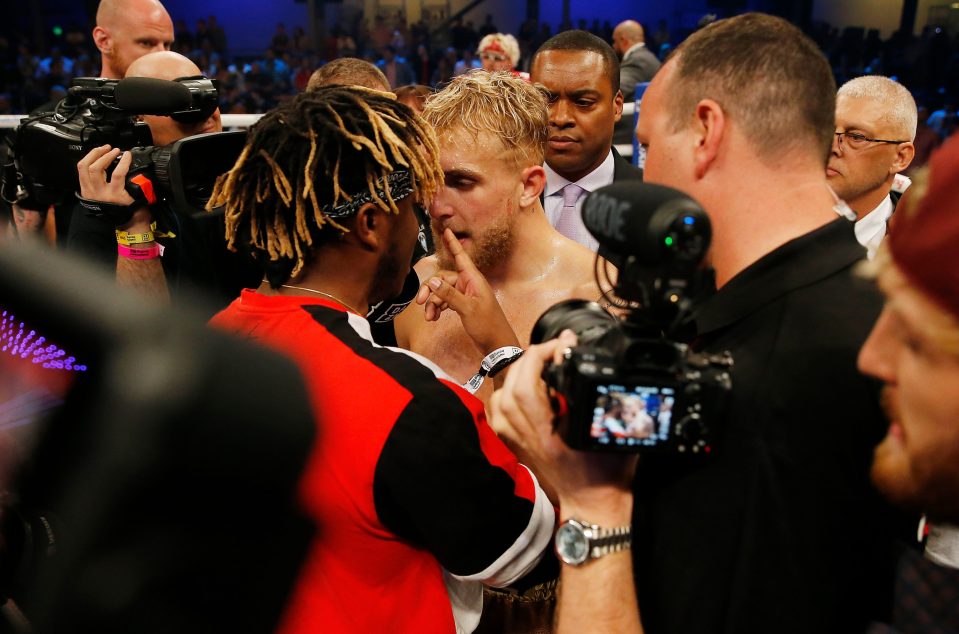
x=400, y=184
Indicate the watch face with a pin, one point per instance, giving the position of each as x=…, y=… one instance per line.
x=571, y=544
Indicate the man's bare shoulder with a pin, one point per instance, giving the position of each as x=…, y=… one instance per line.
x=426, y=267
x=577, y=268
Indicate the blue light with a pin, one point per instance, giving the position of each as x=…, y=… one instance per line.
x=689, y=220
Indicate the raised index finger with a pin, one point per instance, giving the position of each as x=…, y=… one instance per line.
x=460, y=257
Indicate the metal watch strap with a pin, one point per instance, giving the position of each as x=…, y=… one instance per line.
x=609, y=540
x=573, y=534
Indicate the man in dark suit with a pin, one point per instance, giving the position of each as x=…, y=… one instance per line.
x=638, y=64
x=581, y=75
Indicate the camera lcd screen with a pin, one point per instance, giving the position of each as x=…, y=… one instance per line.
x=636, y=416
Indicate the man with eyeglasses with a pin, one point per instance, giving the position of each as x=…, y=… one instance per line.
x=875, y=128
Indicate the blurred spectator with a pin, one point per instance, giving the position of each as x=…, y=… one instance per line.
x=452, y=56
x=301, y=76
x=301, y=41
x=380, y=34
x=459, y=35
x=638, y=64
x=77, y=42
x=941, y=119
x=217, y=36
x=398, y=40
x=419, y=34
x=281, y=41
x=468, y=63
x=64, y=64
x=487, y=27
x=422, y=64
x=927, y=140
x=607, y=31
x=500, y=52
x=661, y=36
x=202, y=33
x=277, y=68
x=443, y=73
x=925, y=65
x=183, y=36
x=342, y=44
x=83, y=66
x=397, y=71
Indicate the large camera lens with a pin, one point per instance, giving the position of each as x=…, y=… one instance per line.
x=587, y=319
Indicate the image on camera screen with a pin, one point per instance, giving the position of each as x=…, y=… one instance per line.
x=637, y=416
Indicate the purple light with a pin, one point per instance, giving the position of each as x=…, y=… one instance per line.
x=17, y=341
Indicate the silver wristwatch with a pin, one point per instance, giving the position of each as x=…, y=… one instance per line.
x=577, y=542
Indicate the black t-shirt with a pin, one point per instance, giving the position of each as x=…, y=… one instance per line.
x=780, y=530
x=381, y=315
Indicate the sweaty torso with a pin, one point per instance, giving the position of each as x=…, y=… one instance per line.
x=568, y=274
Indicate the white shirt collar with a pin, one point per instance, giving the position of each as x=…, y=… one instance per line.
x=599, y=177
x=871, y=228
x=634, y=47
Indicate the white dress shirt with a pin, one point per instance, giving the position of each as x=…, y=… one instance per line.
x=871, y=228
x=553, y=194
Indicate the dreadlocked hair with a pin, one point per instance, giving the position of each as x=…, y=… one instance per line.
x=319, y=151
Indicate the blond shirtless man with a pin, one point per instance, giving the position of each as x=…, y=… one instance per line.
x=492, y=131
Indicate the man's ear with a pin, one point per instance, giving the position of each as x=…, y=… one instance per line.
x=904, y=155
x=533, y=183
x=102, y=40
x=370, y=227
x=618, y=100
x=709, y=126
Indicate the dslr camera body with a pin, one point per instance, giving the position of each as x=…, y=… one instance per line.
x=630, y=385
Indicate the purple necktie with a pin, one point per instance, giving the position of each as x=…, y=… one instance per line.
x=569, y=223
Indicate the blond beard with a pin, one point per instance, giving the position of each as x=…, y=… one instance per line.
x=488, y=250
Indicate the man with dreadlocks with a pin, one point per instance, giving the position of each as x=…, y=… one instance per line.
x=350, y=71
x=415, y=499
x=492, y=130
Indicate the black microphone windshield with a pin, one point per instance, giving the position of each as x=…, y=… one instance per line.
x=145, y=95
x=656, y=224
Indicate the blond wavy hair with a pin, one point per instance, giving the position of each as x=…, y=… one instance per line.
x=499, y=104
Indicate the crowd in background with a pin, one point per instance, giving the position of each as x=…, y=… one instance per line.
x=927, y=64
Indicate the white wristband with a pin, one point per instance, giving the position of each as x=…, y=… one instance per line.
x=493, y=363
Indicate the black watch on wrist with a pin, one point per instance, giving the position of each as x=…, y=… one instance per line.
x=578, y=542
